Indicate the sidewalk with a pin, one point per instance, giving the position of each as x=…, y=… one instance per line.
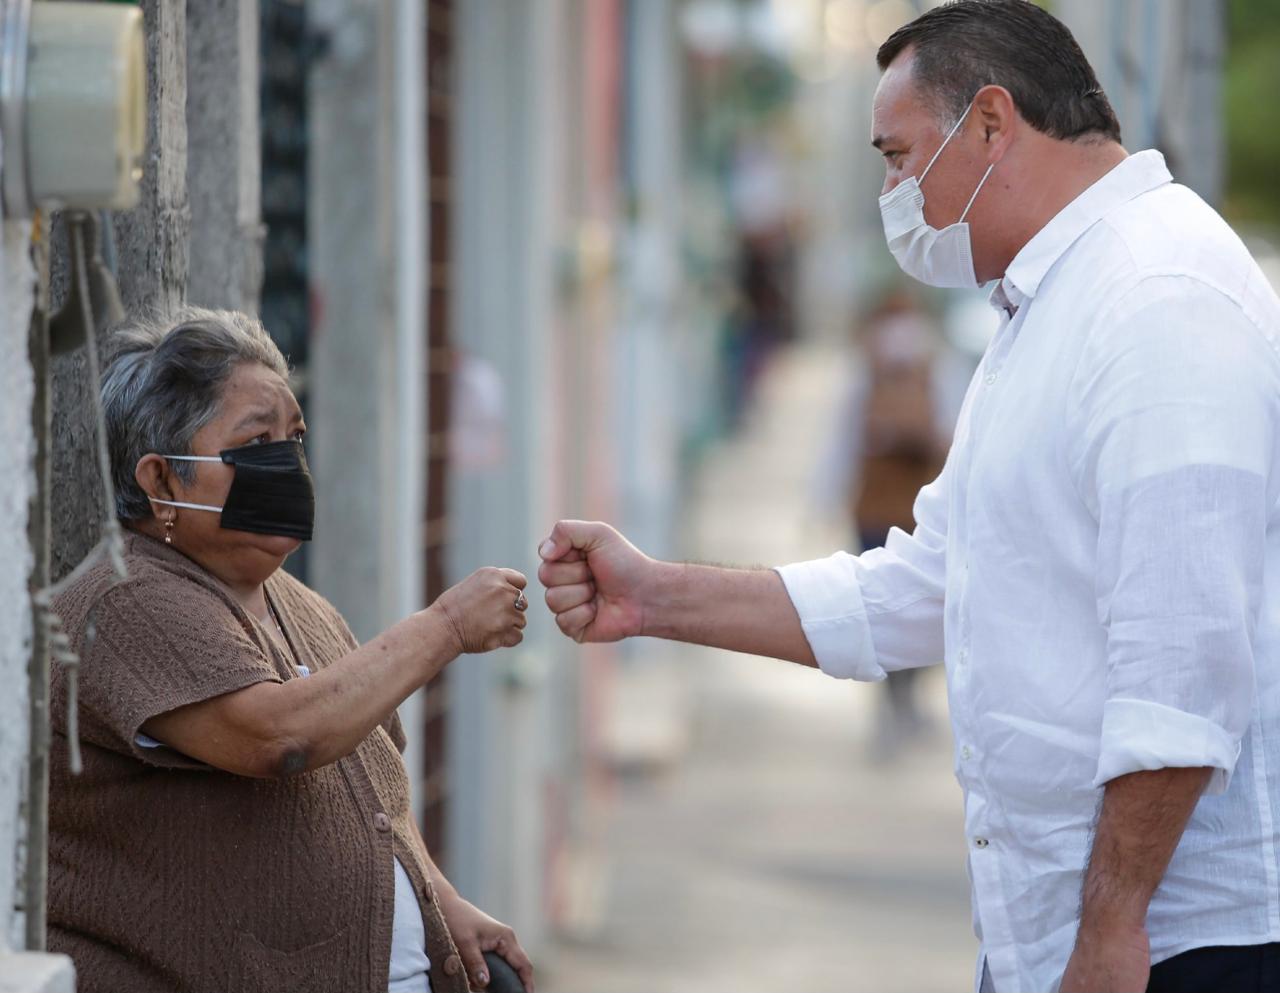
x=769, y=855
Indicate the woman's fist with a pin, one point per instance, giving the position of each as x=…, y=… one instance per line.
x=482, y=610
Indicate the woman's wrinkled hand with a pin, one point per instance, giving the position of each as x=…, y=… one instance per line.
x=481, y=610
x=475, y=932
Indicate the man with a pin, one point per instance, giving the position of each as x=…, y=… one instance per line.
x=1098, y=562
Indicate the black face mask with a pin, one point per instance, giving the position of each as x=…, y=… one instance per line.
x=272, y=492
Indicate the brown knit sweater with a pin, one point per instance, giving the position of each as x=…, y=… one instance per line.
x=166, y=875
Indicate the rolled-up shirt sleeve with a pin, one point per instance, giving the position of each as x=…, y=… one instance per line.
x=867, y=615
x=1177, y=407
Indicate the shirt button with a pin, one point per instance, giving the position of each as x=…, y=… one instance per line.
x=980, y=842
x=452, y=965
x=990, y=379
x=382, y=822
x=964, y=656
x=966, y=752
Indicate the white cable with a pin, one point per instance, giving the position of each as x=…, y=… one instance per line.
x=110, y=546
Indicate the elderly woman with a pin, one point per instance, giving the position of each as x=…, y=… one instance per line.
x=242, y=822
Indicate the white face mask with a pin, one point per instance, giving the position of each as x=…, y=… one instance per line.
x=939, y=258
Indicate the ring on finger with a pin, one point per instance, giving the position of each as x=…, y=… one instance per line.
x=522, y=602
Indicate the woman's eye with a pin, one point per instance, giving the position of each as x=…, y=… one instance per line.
x=299, y=435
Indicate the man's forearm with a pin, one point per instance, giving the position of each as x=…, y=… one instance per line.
x=742, y=610
x=1142, y=819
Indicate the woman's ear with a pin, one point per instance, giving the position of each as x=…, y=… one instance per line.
x=155, y=477
x=997, y=116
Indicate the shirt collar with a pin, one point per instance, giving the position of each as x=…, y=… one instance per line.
x=1137, y=174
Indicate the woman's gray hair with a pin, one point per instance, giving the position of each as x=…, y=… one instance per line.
x=163, y=382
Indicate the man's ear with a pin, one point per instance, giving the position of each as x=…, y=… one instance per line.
x=997, y=116
x=155, y=476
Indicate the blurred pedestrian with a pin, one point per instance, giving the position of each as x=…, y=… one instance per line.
x=763, y=215
x=242, y=821
x=1099, y=560
x=890, y=439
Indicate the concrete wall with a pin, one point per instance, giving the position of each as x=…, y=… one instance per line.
x=352, y=347
x=149, y=246
x=651, y=394
x=506, y=65
x=567, y=396
x=365, y=217
x=151, y=249
x=224, y=173
x=19, y=972
x=16, y=483
x=196, y=234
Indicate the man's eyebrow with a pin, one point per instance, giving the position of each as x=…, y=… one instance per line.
x=880, y=140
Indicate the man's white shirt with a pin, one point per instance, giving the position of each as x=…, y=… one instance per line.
x=1099, y=567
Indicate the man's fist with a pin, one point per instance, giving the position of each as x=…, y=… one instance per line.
x=596, y=581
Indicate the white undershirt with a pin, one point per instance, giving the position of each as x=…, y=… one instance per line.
x=409, y=962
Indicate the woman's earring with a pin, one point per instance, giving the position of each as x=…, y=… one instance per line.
x=168, y=531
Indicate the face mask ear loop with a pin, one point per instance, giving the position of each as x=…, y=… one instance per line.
x=950, y=134
x=189, y=506
x=975, y=193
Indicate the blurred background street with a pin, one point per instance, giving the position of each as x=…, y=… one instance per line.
x=755, y=842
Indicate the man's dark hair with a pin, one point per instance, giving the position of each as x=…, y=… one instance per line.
x=965, y=45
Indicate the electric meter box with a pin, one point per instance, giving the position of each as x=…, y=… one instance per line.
x=73, y=106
